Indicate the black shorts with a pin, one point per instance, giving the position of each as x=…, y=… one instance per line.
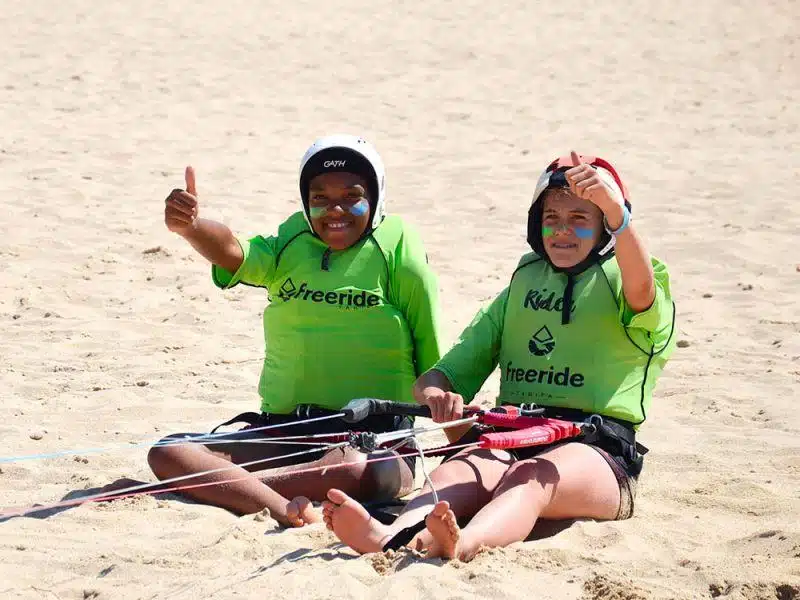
x=294, y=426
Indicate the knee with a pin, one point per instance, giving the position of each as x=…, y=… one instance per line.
x=350, y=469
x=163, y=456
x=157, y=456
x=379, y=480
x=385, y=480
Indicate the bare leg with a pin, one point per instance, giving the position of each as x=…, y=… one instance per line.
x=467, y=482
x=246, y=491
x=347, y=470
x=570, y=481
x=232, y=487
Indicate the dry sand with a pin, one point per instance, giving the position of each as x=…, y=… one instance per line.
x=113, y=332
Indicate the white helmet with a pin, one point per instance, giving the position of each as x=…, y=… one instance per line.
x=350, y=154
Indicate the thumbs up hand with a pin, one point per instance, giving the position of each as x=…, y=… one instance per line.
x=181, y=210
x=588, y=183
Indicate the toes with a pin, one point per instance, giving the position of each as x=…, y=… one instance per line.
x=337, y=497
x=300, y=511
x=328, y=510
x=452, y=525
x=293, y=515
x=297, y=511
x=440, y=509
x=294, y=519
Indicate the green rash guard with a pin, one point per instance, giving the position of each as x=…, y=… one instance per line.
x=360, y=322
x=605, y=360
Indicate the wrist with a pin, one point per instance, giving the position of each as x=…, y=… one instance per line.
x=190, y=232
x=613, y=215
x=616, y=219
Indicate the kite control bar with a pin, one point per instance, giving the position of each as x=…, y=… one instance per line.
x=527, y=426
x=361, y=408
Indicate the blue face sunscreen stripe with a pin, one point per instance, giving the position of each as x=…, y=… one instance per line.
x=358, y=209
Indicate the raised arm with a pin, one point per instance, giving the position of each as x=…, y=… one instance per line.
x=211, y=239
x=638, y=283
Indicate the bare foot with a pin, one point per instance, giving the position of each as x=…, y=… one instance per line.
x=352, y=524
x=300, y=511
x=442, y=525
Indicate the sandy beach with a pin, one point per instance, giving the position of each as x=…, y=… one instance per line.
x=114, y=335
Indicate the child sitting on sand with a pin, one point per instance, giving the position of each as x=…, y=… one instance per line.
x=584, y=328
x=352, y=313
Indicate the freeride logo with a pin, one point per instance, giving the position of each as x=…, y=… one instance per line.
x=334, y=163
x=287, y=290
x=562, y=378
x=347, y=298
x=542, y=342
x=541, y=300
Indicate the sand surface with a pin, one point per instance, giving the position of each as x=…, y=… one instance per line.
x=113, y=333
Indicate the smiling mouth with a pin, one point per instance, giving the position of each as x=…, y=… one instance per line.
x=564, y=246
x=337, y=225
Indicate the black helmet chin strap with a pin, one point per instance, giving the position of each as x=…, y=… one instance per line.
x=566, y=300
